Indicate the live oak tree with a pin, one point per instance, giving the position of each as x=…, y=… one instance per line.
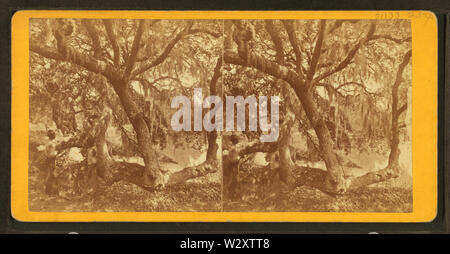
x=306, y=55
x=116, y=56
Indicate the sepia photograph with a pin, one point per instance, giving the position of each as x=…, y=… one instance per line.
x=101, y=138
x=344, y=125
x=213, y=115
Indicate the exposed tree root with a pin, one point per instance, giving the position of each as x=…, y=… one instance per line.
x=133, y=172
x=315, y=178
x=373, y=177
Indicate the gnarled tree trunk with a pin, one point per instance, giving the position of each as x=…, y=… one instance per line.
x=335, y=181
x=152, y=176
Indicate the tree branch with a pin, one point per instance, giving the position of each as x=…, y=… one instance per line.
x=112, y=38
x=350, y=55
x=216, y=75
x=289, y=26
x=276, y=40
x=316, y=53
x=77, y=58
x=93, y=34
x=135, y=48
x=362, y=86
x=164, y=54
x=46, y=52
x=402, y=108
x=151, y=83
x=330, y=87
x=268, y=67
x=398, y=80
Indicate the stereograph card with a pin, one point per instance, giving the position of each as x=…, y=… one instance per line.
x=214, y=116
